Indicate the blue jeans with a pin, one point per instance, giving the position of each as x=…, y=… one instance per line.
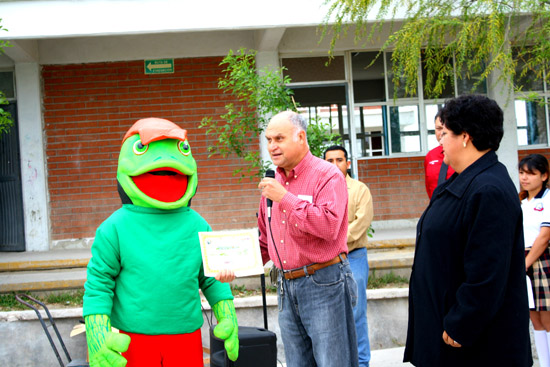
x=360, y=268
x=316, y=318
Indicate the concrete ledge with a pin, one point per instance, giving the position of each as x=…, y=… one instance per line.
x=40, y=260
x=66, y=269
x=387, y=293
x=21, y=332
x=240, y=302
x=46, y=280
x=43, y=264
x=390, y=244
x=398, y=261
x=393, y=259
x=59, y=313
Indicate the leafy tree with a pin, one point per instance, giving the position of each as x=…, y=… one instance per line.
x=319, y=138
x=260, y=96
x=482, y=36
x=6, y=121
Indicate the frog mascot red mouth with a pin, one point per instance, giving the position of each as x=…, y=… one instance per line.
x=148, y=251
x=164, y=184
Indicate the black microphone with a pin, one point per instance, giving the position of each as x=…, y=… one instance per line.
x=271, y=174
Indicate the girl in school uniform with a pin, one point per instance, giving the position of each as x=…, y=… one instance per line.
x=535, y=204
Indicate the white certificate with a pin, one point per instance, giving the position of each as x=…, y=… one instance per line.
x=234, y=250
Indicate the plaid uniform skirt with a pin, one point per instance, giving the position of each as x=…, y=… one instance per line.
x=539, y=273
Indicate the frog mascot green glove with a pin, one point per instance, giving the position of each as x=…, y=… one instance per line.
x=146, y=267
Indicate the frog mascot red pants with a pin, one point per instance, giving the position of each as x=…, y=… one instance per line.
x=146, y=267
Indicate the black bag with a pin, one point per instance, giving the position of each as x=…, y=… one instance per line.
x=257, y=347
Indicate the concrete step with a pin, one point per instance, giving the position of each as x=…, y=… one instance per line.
x=43, y=271
x=44, y=260
x=397, y=261
x=38, y=281
x=32, y=278
x=388, y=250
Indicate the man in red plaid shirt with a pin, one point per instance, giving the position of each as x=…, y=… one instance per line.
x=306, y=238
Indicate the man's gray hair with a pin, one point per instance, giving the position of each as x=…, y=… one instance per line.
x=298, y=120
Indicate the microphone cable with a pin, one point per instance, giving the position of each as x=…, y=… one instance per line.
x=283, y=279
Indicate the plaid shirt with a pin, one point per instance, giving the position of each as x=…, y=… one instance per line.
x=310, y=223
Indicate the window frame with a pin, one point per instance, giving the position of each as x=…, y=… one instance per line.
x=354, y=136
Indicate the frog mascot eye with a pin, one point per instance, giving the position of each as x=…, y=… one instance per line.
x=184, y=148
x=156, y=168
x=139, y=148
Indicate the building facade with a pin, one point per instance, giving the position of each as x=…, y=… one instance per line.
x=79, y=74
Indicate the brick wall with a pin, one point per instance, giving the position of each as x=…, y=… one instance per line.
x=524, y=153
x=89, y=107
x=87, y=110
x=396, y=185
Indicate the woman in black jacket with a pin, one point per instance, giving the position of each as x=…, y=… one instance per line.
x=467, y=293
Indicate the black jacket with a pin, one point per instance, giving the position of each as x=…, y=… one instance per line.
x=468, y=275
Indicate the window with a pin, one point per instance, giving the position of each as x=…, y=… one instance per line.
x=7, y=85
x=431, y=111
x=405, y=129
x=326, y=103
x=370, y=127
x=531, y=122
x=531, y=113
x=383, y=126
x=382, y=123
x=313, y=69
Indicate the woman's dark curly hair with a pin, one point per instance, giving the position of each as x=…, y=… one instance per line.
x=477, y=115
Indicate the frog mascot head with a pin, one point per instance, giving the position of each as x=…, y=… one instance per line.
x=155, y=167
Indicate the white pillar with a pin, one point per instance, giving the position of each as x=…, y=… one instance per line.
x=270, y=60
x=503, y=94
x=33, y=162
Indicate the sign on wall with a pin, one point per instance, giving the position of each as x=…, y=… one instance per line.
x=159, y=66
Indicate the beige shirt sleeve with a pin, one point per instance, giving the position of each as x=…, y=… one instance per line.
x=360, y=213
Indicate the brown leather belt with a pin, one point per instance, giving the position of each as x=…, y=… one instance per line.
x=311, y=269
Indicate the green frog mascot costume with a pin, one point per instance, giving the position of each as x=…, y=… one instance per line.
x=146, y=267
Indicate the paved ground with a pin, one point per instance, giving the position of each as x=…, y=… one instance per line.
x=388, y=358
x=393, y=357
x=379, y=358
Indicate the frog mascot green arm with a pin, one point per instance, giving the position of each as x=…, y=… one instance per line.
x=146, y=267
x=227, y=328
x=104, y=346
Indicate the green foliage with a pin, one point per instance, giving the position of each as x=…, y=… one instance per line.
x=6, y=121
x=71, y=298
x=370, y=231
x=480, y=36
x=243, y=291
x=260, y=96
x=8, y=302
x=319, y=137
x=389, y=280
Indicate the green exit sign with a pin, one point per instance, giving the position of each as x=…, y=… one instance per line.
x=160, y=66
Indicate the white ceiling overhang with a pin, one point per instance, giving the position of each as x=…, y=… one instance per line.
x=80, y=18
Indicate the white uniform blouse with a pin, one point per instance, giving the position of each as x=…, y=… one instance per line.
x=536, y=214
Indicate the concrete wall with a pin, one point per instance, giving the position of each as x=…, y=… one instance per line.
x=24, y=343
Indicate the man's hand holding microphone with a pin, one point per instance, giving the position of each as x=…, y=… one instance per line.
x=271, y=188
